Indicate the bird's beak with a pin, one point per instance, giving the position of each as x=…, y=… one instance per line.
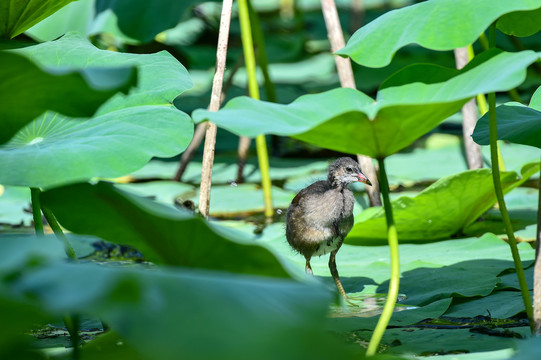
x=364, y=179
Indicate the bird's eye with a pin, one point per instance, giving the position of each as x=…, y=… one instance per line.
x=349, y=169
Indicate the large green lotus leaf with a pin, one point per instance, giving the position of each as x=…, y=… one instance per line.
x=177, y=313
x=125, y=132
x=516, y=123
x=28, y=90
x=520, y=23
x=161, y=77
x=18, y=15
x=438, y=212
x=142, y=20
x=55, y=150
x=436, y=25
x=163, y=234
x=349, y=121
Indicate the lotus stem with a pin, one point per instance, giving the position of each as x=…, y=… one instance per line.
x=493, y=135
x=72, y=324
x=494, y=159
x=51, y=219
x=262, y=58
x=394, y=282
x=36, y=210
x=249, y=59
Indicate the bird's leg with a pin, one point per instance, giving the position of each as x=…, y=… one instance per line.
x=308, y=267
x=334, y=273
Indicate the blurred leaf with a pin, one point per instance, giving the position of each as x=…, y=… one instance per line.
x=349, y=121
x=143, y=20
x=123, y=135
x=76, y=16
x=30, y=90
x=17, y=251
x=18, y=15
x=440, y=211
x=109, y=346
x=520, y=23
x=436, y=25
x=18, y=316
x=163, y=234
x=527, y=349
x=176, y=313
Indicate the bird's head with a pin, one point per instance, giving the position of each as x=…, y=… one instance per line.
x=345, y=171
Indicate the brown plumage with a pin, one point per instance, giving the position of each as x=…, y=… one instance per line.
x=320, y=216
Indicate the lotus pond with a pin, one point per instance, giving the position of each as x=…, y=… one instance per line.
x=100, y=99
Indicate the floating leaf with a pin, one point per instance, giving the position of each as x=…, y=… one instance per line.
x=423, y=286
x=240, y=199
x=399, y=318
x=349, y=121
x=423, y=342
x=18, y=15
x=438, y=212
x=123, y=135
x=30, y=90
x=436, y=25
x=163, y=234
x=499, y=305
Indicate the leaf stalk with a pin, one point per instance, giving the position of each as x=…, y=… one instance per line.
x=51, y=220
x=394, y=283
x=36, y=210
x=493, y=136
x=253, y=87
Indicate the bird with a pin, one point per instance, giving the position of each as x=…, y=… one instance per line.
x=321, y=215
